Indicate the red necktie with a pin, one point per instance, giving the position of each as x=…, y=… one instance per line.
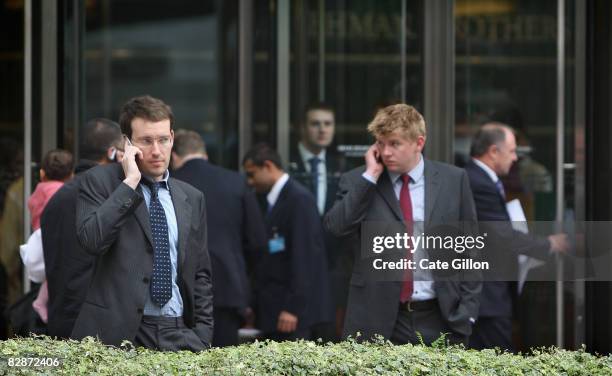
x=406, y=205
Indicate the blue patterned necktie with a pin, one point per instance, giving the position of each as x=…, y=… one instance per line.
x=500, y=188
x=314, y=173
x=161, y=281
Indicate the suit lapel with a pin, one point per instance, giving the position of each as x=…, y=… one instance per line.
x=142, y=216
x=141, y=213
x=332, y=169
x=300, y=164
x=385, y=188
x=296, y=165
x=486, y=178
x=183, y=218
x=432, y=187
x=281, y=197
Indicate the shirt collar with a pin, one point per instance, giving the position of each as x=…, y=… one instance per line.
x=415, y=174
x=147, y=180
x=486, y=169
x=272, y=196
x=306, y=154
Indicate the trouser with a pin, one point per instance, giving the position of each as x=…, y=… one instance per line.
x=491, y=332
x=326, y=331
x=422, y=320
x=227, y=323
x=167, y=334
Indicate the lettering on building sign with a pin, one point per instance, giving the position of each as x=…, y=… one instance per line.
x=364, y=26
x=508, y=29
x=518, y=28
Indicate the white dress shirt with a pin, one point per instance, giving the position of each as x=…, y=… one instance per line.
x=272, y=196
x=487, y=169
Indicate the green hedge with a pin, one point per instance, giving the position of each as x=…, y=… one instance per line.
x=297, y=358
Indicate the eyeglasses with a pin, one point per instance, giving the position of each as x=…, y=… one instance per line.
x=148, y=142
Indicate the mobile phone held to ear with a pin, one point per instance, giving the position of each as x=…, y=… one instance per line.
x=113, y=154
x=129, y=143
x=127, y=140
x=378, y=157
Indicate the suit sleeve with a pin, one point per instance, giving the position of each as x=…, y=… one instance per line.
x=254, y=231
x=100, y=215
x=306, y=247
x=352, y=202
x=495, y=223
x=471, y=287
x=203, y=296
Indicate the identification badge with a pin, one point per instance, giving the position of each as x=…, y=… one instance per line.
x=277, y=243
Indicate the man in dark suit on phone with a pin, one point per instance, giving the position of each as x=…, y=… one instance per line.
x=152, y=280
x=292, y=282
x=398, y=184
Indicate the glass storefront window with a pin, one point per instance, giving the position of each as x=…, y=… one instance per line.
x=346, y=61
x=348, y=55
x=506, y=71
x=184, y=54
x=11, y=155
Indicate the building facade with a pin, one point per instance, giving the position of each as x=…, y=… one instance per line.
x=242, y=71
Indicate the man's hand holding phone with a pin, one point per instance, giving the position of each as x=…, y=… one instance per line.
x=374, y=165
x=130, y=168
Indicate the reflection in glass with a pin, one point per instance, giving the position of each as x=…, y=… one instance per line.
x=183, y=54
x=506, y=59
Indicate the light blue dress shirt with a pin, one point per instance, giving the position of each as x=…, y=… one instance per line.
x=174, y=307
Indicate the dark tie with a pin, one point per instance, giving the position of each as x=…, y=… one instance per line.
x=500, y=188
x=314, y=174
x=161, y=281
x=406, y=205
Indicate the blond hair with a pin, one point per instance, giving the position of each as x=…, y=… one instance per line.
x=398, y=117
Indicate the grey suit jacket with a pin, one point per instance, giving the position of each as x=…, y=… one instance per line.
x=113, y=224
x=373, y=304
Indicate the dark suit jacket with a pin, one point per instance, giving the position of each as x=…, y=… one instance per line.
x=372, y=303
x=67, y=266
x=295, y=280
x=334, y=165
x=496, y=297
x=113, y=224
x=339, y=259
x=236, y=228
